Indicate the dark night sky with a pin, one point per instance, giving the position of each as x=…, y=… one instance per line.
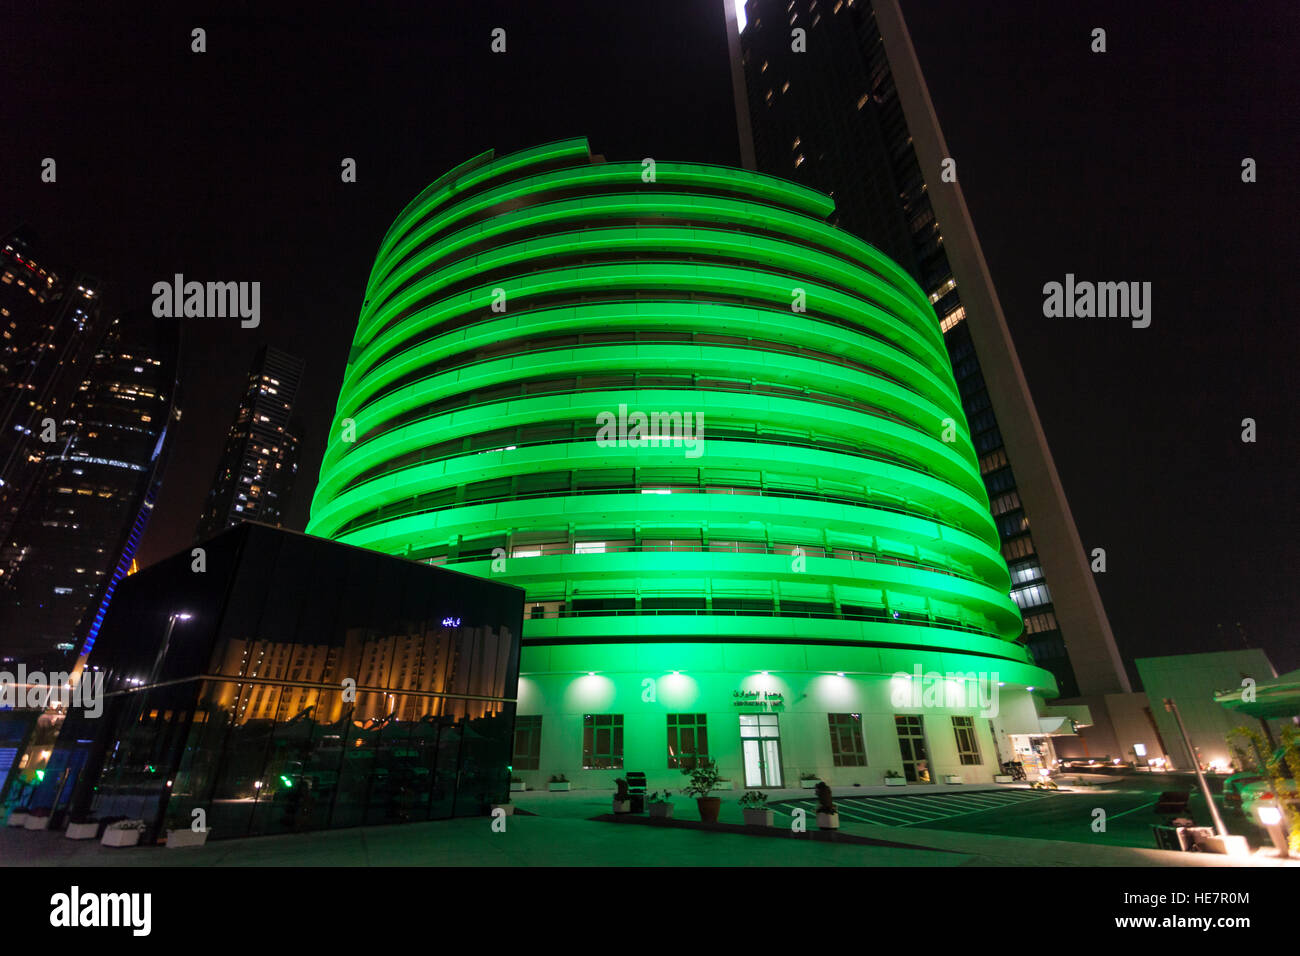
x=1122, y=166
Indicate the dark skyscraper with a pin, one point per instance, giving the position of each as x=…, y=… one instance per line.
x=49, y=325
x=835, y=99
x=92, y=496
x=256, y=472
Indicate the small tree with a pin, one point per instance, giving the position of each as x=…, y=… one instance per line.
x=1276, y=766
x=703, y=776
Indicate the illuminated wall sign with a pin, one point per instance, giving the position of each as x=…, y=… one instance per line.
x=757, y=698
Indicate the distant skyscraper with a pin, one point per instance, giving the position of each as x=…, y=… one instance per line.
x=260, y=460
x=841, y=106
x=84, y=514
x=49, y=326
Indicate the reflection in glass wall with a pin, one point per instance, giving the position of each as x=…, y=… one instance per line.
x=315, y=686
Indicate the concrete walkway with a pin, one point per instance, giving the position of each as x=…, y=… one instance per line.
x=563, y=833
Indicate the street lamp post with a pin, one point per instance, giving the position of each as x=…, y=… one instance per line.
x=167, y=639
x=1219, y=828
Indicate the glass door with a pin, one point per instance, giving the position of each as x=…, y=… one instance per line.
x=911, y=744
x=760, y=740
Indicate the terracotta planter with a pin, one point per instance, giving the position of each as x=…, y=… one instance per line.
x=710, y=807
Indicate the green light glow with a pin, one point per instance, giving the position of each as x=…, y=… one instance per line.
x=516, y=300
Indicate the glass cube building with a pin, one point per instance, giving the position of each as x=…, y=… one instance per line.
x=719, y=444
x=279, y=683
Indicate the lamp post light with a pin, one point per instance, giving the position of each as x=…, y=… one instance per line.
x=1219, y=828
x=1270, y=817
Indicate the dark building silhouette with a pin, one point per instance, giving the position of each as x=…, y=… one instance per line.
x=259, y=462
x=92, y=495
x=50, y=322
x=297, y=684
x=835, y=99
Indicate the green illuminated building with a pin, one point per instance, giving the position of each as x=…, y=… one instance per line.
x=719, y=444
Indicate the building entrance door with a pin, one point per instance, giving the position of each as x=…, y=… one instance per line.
x=911, y=744
x=760, y=741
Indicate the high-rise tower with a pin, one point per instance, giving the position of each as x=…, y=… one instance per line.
x=259, y=462
x=50, y=324
x=87, y=509
x=717, y=441
x=834, y=96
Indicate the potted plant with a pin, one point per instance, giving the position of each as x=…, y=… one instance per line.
x=182, y=836
x=559, y=782
x=622, y=799
x=828, y=818
x=661, y=805
x=517, y=785
x=704, y=780
x=38, y=818
x=894, y=779
x=808, y=780
x=123, y=833
x=82, y=826
x=753, y=804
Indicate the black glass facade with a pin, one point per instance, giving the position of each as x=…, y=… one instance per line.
x=294, y=684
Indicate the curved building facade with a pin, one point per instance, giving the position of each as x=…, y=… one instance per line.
x=719, y=444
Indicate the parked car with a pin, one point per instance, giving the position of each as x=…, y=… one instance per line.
x=1232, y=787
x=1254, y=793
x=1248, y=788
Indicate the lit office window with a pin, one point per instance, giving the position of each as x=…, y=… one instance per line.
x=688, y=738
x=968, y=748
x=528, y=742
x=602, y=742
x=847, y=748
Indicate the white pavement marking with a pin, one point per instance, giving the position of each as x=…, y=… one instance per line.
x=908, y=811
